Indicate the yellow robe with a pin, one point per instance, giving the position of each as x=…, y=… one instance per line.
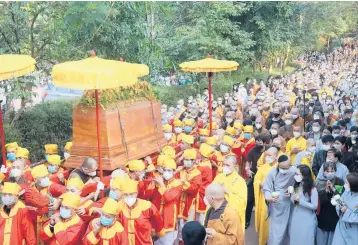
x=292, y=143
x=261, y=224
x=237, y=197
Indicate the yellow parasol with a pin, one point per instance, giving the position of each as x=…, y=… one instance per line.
x=15, y=65
x=96, y=73
x=12, y=66
x=209, y=65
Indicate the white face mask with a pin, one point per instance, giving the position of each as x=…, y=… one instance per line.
x=273, y=132
x=224, y=148
x=316, y=129
x=229, y=120
x=298, y=178
x=335, y=135
x=227, y=170
x=316, y=117
x=15, y=172
x=294, y=116
x=326, y=114
x=296, y=134
x=178, y=130
x=167, y=175
x=141, y=176
x=66, y=155
x=288, y=122
x=258, y=125
x=130, y=201
x=207, y=203
x=269, y=160
x=312, y=149
x=283, y=171
x=188, y=163
x=326, y=147
x=168, y=136
x=92, y=174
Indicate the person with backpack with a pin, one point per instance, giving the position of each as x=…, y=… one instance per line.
x=304, y=196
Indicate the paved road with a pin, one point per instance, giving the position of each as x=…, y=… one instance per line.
x=250, y=235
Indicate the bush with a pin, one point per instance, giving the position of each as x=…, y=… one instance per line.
x=45, y=123
x=222, y=83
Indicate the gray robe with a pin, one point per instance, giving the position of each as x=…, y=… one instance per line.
x=346, y=232
x=280, y=213
x=304, y=220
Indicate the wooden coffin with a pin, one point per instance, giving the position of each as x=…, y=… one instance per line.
x=127, y=132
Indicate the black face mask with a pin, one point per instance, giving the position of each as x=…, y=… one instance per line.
x=276, y=115
x=311, y=104
x=347, y=120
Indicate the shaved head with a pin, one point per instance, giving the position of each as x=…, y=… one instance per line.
x=90, y=163
x=310, y=142
x=215, y=190
x=277, y=141
x=272, y=151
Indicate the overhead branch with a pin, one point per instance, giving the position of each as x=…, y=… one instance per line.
x=7, y=41
x=32, y=31
x=16, y=33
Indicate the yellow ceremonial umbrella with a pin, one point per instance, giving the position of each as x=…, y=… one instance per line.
x=96, y=73
x=12, y=66
x=210, y=66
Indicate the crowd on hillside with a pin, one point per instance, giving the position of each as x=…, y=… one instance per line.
x=286, y=146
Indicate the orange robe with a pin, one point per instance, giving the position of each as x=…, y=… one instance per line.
x=111, y=235
x=54, y=177
x=218, y=158
x=139, y=220
x=66, y=232
x=17, y=227
x=207, y=177
x=166, y=201
x=191, y=187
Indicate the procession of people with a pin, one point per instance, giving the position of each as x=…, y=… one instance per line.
x=285, y=148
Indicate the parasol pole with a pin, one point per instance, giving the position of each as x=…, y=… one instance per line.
x=99, y=139
x=2, y=134
x=210, y=74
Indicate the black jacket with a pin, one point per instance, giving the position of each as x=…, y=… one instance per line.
x=318, y=160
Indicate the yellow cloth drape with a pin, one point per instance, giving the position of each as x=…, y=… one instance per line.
x=209, y=65
x=237, y=197
x=15, y=65
x=261, y=224
x=96, y=73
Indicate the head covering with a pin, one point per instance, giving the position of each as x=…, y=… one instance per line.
x=161, y=159
x=131, y=186
x=111, y=207
x=136, y=165
x=11, y=146
x=170, y=163
x=228, y=140
x=118, y=182
x=39, y=171
x=169, y=151
x=214, y=126
x=204, y=132
x=238, y=125
x=189, y=122
x=167, y=127
x=231, y=131
x=22, y=153
x=213, y=141
x=248, y=129
x=150, y=167
x=76, y=182
x=178, y=123
x=54, y=159
x=11, y=188
x=190, y=154
x=189, y=139
x=193, y=233
x=71, y=200
x=68, y=146
x=205, y=150
x=2, y=177
x=51, y=148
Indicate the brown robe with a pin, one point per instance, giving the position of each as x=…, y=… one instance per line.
x=226, y=222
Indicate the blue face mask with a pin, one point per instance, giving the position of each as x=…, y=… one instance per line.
x=46, y=157
x=247, y=136
x=113, y=195
x=106, y=221
x=45, y=182
x=188, y=129
x=52, y=169
x=65, y=213
x=11, y=156
x=330, y=176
